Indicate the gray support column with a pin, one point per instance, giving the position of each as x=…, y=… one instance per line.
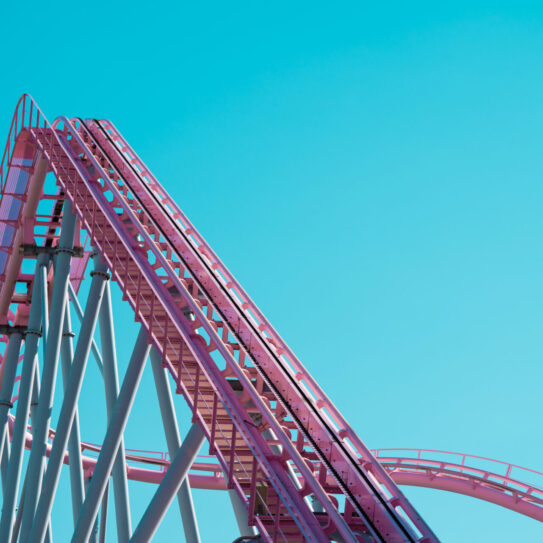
x=112, y=439
x=33, y=411
x=69, y=406
x=79, y=313
x=167, y=410
x=93, y=537
x=23, y=406
x=169, y=486
x=35, y=396
x=10, y=369
x=74, y=442
x=5, y=458
x=48, y=535
x=19, y=516
x=44, y=268
x=103, y=517
x=111, y=384
x=47, y=389
x=17, y=525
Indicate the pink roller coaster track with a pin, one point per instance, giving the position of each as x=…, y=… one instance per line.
x=295, y=469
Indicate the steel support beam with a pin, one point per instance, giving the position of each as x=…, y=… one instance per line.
x=74, y=442
x=44, y=270
x=111, y=385
x=93, y=537
x=169, y=486
x=45, y=403
x=35, y=395
x=18, y=517
x=103, y=517
x=5, y=458
x=112, y=440
x=10, y=369
x=23, y=405
x=42, y=277
x=173, y=440
x=69, y=403
x=33, y=411
x=79, y=313
x=17, y=525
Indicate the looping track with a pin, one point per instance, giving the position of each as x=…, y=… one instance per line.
x=296, y=466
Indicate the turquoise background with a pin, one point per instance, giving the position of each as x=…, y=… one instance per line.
x=371, y=173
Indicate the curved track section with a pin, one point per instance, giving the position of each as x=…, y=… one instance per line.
x=511, y=486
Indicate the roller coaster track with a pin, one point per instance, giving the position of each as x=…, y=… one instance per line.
x=294, y=466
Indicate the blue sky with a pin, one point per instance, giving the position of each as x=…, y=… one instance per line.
x=372, y=174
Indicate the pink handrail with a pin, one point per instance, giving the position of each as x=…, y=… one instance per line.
x=378, y=453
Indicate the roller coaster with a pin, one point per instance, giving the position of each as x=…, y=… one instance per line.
x=292, y=466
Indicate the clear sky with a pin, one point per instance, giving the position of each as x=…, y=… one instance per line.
x=371, y=173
